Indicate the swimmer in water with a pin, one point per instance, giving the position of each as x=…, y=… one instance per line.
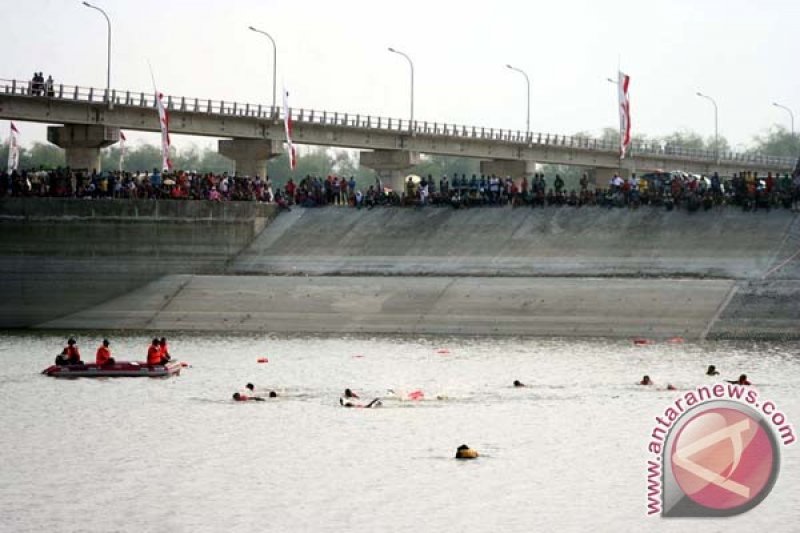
x=646, y=381
x=518, y=383
x=712, y=371
x=252, y=388
x=741, y=381
x=350, y=394
x=244, y=398
x=374, y=403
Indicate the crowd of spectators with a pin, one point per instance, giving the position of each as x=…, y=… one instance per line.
x=671, y=190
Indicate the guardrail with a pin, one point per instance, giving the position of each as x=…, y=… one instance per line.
x=77, y=93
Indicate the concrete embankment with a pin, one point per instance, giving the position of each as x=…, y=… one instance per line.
x=58, y=256
x=520, y=242
x=562, y=272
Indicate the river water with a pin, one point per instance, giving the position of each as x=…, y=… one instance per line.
x=568, y=453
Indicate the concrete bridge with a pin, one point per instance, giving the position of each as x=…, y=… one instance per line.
x=92, y=119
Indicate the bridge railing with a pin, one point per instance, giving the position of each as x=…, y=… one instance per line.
x=349, y=120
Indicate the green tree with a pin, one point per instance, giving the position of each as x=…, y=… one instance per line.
x=442, y=165
x=777, y=141
x=41, y=156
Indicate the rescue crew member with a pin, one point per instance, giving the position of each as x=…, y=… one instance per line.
x=244, y=398
x=252, y=389
x=103, y=356
x=374, y=403
x=164, y=349
x=154, y=355
x=741, y=381
x=70, y=355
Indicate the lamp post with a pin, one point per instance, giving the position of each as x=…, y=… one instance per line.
x=108, y=68
x=716, y=124
x=791, y=115
x=274, y=66
x=411, y=64
x=528, y=82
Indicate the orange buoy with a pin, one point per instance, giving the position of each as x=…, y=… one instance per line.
x=416, y=395
x=262, y=360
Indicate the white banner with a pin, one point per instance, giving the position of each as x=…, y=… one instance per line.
x=13, y=149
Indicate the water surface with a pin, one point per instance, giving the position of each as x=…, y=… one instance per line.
x=566, y=454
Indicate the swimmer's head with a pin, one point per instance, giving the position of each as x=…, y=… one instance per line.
x=743, y=377
x=250, y=387
x=711, y=369
x=350, y=394
x=463, y=447
x=236, y=396
x=273, y=394
x=518, y=383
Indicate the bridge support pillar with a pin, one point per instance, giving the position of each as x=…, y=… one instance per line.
x=390, y=165
x=507, y=167
x=82, y=143
x=250, y=156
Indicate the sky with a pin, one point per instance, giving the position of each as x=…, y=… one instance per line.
x=333, y=56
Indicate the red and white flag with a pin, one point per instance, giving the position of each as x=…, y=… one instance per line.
x=624, y=114
x=287, y=126
x=163, y=118
x=13, y=149
x=122, y=149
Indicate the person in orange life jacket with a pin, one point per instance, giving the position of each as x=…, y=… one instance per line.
x=165, y=349
x=103, y=356
x=70, y=355
x=154, y=355
x=741, y=381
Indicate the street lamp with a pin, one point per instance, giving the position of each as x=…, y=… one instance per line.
x=528, y=82
x=108, y=69
x=791, y=114
x=411, y=64
x=716, y=124
x=274, y=65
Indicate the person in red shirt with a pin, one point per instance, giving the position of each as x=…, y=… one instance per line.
x=165, y=349
x=154, y=354
x=103, y=356
x=70, y=355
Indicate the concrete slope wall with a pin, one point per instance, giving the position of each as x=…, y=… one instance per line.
x=570, y=307
x=59, y=256
x=543, y=242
